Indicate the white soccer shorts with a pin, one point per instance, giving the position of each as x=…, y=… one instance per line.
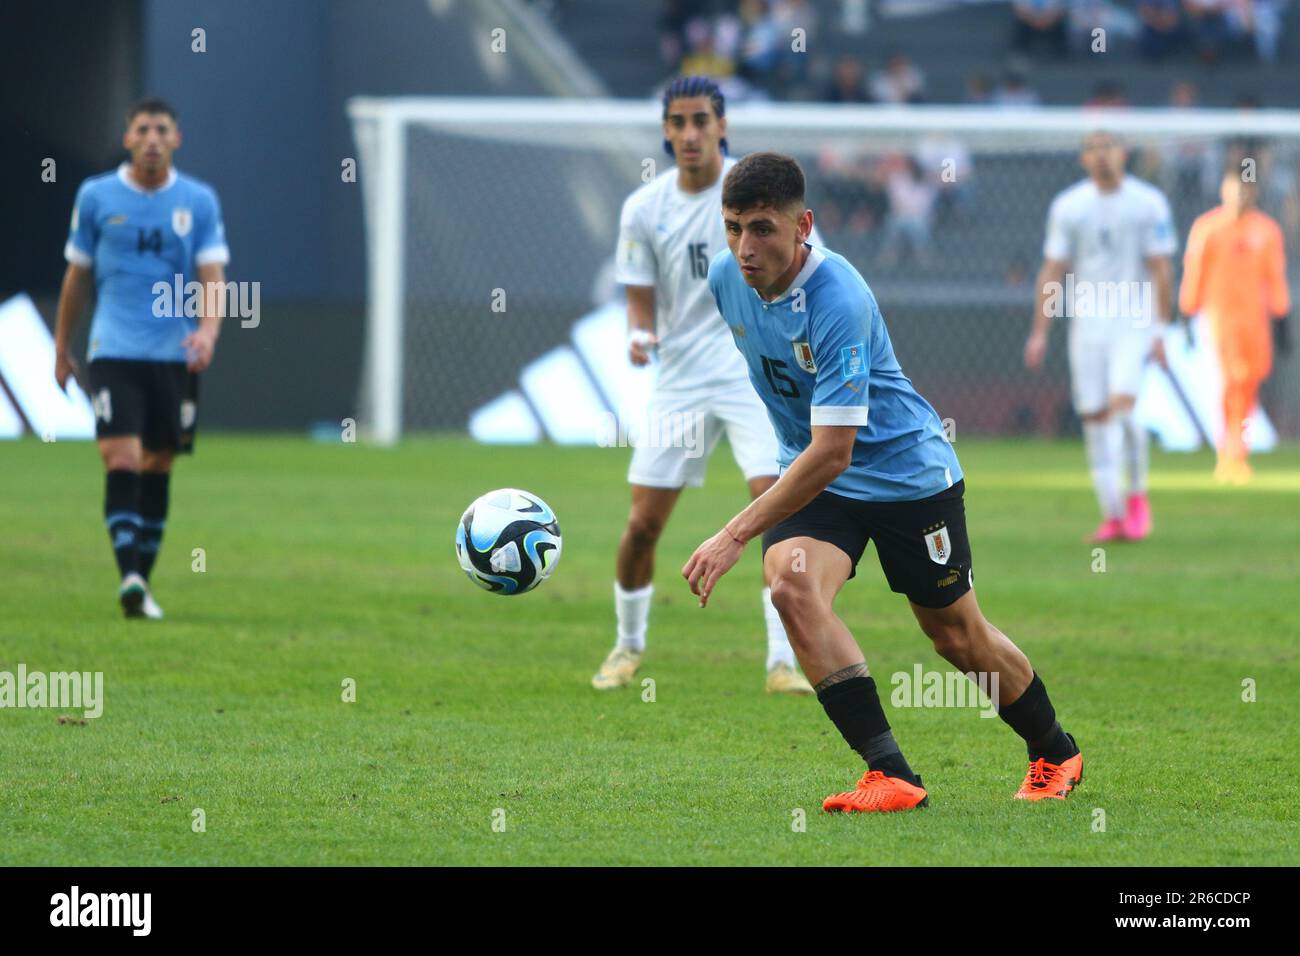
x=1103, y=368
x=681, y=429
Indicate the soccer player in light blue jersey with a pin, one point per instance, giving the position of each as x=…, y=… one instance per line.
x=863, y=457
x=137, y=230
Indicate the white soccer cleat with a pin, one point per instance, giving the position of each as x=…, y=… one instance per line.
x=151, y=609
x=131, y=595
x=784, y=679
x=618, y=669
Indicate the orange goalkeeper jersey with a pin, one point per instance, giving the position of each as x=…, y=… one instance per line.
x=1234, y=271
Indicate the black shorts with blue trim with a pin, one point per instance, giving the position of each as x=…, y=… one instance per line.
x=158, y=401
x=922, y=545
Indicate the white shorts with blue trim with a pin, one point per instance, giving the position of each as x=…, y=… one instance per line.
x=681, y=428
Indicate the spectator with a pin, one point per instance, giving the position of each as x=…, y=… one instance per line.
x=789, y=16
x=847, y=84
x=898, y=82
x=911, y=204
x=1208, y=24
x=1266, y=18
x=1107, y=95
x=1040, y=23
x=760, y=53
x=1183, y=95
x=1162, y=28
x=672, y=27
x=1188, y=166
x=855, y=17
x=1015, y=91
x=726, y=36
x=979, y=89
x=946, y=161
x=853, y=193
x=702, y=58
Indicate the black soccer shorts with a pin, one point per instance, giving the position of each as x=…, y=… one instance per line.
x=159, y=401
x=922, y=545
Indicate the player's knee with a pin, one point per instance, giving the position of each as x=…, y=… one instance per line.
x=794, y=598
x=953, y=639
x=157, y=461
x=121, y=460
x=643, y=530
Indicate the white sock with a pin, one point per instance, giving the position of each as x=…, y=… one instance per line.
x=779, y=650
x=1103, y=441
x=1136, y=453
x=633, y=610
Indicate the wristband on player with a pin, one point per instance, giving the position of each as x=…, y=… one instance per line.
x=643, y=338
x=733, y=537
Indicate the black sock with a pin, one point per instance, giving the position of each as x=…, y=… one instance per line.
x=1032, y=716
x=853, y=706
x=122, y=515
x=154, y=488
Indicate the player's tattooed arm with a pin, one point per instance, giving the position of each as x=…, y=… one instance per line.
x=840, y=676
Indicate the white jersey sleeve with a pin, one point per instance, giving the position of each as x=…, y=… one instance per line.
x=83, y=234
x=1059, y=243
x=1158, y=235
x=666, y=239
x=635, y=258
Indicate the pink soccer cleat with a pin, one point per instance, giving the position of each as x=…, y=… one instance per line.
x=1112, y=529
x=1137, y=520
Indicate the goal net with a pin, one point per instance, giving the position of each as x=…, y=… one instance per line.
x=491, y=227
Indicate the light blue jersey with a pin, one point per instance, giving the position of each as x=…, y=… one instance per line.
x=820, y=355
x=134, y=238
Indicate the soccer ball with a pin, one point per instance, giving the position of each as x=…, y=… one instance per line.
x=508, y=541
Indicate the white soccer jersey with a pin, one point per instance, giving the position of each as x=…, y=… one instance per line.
x=1106, y=238
x=666, y=239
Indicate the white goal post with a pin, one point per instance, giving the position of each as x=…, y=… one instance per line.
x=449, y=185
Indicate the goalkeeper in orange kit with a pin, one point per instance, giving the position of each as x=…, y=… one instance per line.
x=1234, y=271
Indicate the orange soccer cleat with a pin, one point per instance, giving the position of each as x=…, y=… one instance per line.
x=876, y=793
x=1050, y=781
x=1233, y=472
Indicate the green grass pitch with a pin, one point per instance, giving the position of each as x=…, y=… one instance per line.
x=332, y=562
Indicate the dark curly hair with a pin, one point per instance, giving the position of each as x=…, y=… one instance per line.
x=764, y=179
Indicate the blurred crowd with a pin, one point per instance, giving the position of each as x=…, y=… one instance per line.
x=1209, y=29
x=768, y=48
x=908, y=197
x=905, y=198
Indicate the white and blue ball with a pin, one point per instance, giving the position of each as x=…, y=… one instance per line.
x=508, y=541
